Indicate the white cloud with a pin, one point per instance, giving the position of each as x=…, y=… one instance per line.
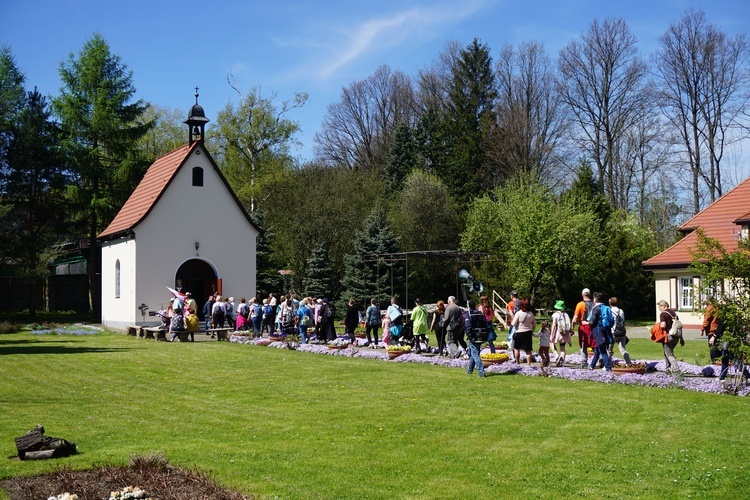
x=412, y=26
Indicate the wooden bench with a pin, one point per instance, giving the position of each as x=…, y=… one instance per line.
x=134, y=330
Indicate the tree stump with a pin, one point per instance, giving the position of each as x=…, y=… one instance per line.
x=35, y=445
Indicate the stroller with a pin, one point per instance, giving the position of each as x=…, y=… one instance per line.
x=407, y=338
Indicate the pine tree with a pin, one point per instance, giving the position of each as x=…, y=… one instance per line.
x=317, y=279
x=365, y=277
x=267, y=279
x=33, y=181
x=402, y=158
x=101, y=128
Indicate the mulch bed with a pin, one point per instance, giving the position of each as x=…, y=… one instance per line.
x=157, y=478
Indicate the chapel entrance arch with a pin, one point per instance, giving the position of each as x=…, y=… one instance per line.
x=199, y=278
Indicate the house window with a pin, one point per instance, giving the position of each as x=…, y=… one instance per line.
x=685, y=292
x=197, y=176
x=117, y=279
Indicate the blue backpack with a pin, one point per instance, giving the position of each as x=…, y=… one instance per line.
x=606, y=318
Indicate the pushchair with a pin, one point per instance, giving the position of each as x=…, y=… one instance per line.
x=407, y=338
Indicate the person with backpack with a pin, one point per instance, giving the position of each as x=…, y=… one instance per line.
x=475, y=327
x=287, y=315
x=327, y=318
x=619, y=333
x=231, y=313
x=396, y=315
x=667, y=317
x=243, y=310
x=600, y=322
x=304, y=319
x=266, y=318
x=582, y=311
x=561, y=331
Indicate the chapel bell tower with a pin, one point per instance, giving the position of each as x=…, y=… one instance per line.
x=196, y=122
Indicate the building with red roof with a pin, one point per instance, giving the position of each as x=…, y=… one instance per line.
x=183, y=227
x=727, y=220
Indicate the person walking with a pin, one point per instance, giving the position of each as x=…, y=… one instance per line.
x=580, y=317
x=419, y=325
x=600, y=322
x=351, y=320
x=372, y=322
x=666, y=318
x=561, y=331
x=524, y=323
x=489, y=316
x=396, y=315
x=619, y=334
x=438, y=327
x=453, y=323
x=476, y=330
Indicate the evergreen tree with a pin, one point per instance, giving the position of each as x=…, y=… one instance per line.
x=365, y=277
x=33, y=181
x=403, y=157
x=472, y=95
x=318, y=275
x=101, y=128
x=12, y=96
x=267, y=279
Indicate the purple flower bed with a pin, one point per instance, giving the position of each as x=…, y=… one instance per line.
x=693, y=378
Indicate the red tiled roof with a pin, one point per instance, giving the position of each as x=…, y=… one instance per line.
x=743, y=219
x=149, y=190
x=719, y=220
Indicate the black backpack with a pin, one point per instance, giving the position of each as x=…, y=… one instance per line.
x=618, y=330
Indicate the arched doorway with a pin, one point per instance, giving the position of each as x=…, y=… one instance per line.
x=199, y=278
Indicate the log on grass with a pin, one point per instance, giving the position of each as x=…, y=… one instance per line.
x=34, y=442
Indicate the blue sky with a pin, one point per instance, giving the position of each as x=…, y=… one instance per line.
x=284, y=47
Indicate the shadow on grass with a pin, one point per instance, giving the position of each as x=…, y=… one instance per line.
x=54, y=349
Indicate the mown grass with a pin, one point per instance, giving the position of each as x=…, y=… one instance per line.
x=272, y=422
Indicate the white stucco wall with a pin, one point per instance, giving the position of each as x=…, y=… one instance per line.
x=119, y=312
x=186, y=214
x=666, y=288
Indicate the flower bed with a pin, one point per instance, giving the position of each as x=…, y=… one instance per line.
x=693, y=378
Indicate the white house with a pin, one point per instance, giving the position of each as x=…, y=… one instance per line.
x=726, y=220
x=182, y=227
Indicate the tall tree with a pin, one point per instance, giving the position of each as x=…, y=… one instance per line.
x=704, y=93
x=531, y=117
x=357, y=131
x=603, y=82
x=254, y=140
x=101, y=129
x=403, y=157
x=472, y=101
x=318, y=276
x=12, y=96
x=537, y=236
x=365, y=276
x=33, y=181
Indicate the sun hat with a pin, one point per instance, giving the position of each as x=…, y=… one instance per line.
x=560, y=305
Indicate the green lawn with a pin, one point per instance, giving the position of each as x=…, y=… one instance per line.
x=282, y=423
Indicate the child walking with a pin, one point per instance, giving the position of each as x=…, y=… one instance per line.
x=544, y=343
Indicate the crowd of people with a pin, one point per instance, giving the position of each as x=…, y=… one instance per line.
x=600, y=326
